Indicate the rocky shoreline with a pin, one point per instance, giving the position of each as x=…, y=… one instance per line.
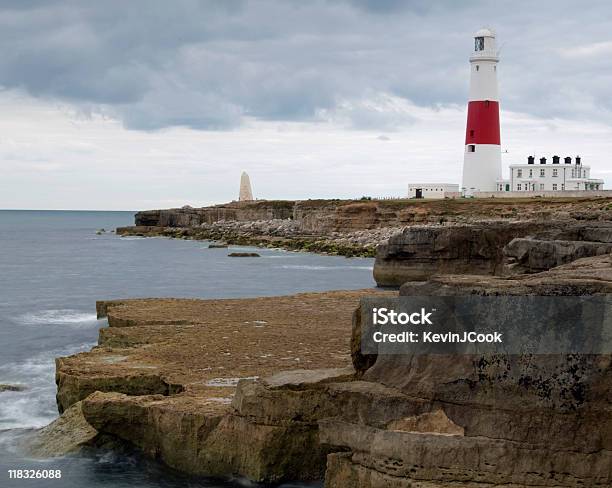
x=278, y=234
x=347, y=228
x=165, y=373
x=187, y=381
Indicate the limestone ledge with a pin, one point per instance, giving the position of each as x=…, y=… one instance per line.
x=165, y=373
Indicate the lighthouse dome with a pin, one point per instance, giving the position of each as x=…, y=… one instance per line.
x=485, y=33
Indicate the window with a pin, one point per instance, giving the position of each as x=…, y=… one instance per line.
x=507, y=187
x=555, y=172
x=562, y=186
x=519, y=174
x=541, y=186
x=554, y=187
x=471, y=148
x=542, y=173
x=530, y=173
x=518, y=187
x=479, y=44
x=477, y=67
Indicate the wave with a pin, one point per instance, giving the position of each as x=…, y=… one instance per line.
x=283, y=256
x=62, y=316
x=35, y=406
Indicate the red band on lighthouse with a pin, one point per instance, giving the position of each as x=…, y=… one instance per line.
x=482, y=123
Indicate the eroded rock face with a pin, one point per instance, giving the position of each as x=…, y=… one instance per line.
x=529, y=255
x=380, y=458
x=487, y=248
x=419, y=252
x=527, y=420
x=65, y=435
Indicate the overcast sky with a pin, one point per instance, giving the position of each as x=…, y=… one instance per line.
x=147, y=104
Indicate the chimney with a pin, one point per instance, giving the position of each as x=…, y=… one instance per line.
x=530, y=160
x=542, y=160
x=556, y=159
x=577, y=160
x=567, y=160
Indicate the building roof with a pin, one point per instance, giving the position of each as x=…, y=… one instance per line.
x=485, y=32
x=548, y=164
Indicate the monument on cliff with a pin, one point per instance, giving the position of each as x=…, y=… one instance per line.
x=246, y=193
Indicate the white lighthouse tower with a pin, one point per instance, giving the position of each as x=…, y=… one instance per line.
x=482, y=160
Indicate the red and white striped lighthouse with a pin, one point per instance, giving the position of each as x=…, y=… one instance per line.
x=482, y=160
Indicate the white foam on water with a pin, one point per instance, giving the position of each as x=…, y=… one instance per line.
x=32, y=408
x=274, y=256
x=35, y=406
x=53, y=317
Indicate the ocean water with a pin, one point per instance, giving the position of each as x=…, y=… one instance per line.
x=53, y=267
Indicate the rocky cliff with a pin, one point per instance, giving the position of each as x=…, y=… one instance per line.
x=352, y=228
x=328, y=216
x=187, y=381
x=523, y=420
x=487, y=247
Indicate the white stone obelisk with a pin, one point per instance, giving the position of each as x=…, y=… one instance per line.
x=246, y=193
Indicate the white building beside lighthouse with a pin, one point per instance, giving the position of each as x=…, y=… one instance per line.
x=482, y=159
x=482, y=169
x=565, y=175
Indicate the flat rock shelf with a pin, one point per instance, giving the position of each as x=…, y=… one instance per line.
x=165, y=372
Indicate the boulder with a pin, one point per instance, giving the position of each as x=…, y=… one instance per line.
x=419, y=252
x=529, y=255
x=65, y=435
x=487, y=248
x=6, y=387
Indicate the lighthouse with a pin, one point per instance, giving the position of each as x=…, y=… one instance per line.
x=482, y=159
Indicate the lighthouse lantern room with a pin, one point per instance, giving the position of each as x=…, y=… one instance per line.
x=482, y=159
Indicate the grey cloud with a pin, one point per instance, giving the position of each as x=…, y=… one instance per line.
x=207, y=64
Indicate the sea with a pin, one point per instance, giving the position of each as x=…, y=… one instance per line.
x=54, y=265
